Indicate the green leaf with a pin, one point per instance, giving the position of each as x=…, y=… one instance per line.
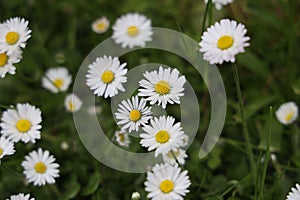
x=73, y=190
x=92, y=185
x=258, y=104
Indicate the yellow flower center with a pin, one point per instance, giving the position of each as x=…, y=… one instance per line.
x=101, y=26
x=225, y=42
x=133, y=31
x=3, y=59
x=121, y=137
x=58, y=83
x=23, y=125
x=289, y=116
x=108, y=76
x=162, y=136
x=12, y=37
x=40, y=167
x=135, y=115
x=162, y=87
x=71, y=106
x=166, y=186
x=1, y=151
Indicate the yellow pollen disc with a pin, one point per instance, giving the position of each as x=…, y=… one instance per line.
x=289, y=116
x=225, y=42
x=166, y=186
x=162, y=87
x=71, y=106
x=121, y=137
x=135, y=115
x=101, y=26
x=133, y=31
x=162, y=136
x=40, y=167
x=12, y=37
x=58, y=83
x=1, y=151
x=108, y=76
x=3, y=59
x=23, y=125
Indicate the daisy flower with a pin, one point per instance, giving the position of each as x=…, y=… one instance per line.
x=100, y=25
x=22, y=123
x=133, y=113
x=72, y=103
x=135, y=196
x=222, y=41
x=40, y=168
x=6, y=147
x=180, y=155
x=287, y=113
x=20, y=196
x=106, y=76
x=57, y=79
x=294, y=194
x=162, y=135
x=162, y=86
x=14, y=35
x=220, y=3
x=167, y=182
x=122, y=138
x=131, y=30
x=7, y=62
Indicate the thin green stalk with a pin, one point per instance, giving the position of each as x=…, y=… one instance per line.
x=173, y=154
x=208, y=5
x=6, y=107
x=244, y=124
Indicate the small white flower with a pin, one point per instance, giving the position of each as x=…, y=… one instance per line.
x=167, y=182
x=135, y=196
x=6, y=147
x=162, y=135
x=132, y=29
x=14, y=35
x=64, y=146
x=57, y=79
x=222, y=41
x=180, y=156
x=162, y=86
x=133, y=113
x=106, y=76
x=220, y=3
x=287, y=113
x=72, y=103
x=100, y=25
x=122, y=138
x=40, y=168
x=294, y=194
x=21, y=196
x=22, y=123
x=7, y=62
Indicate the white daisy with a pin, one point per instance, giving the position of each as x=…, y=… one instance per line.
x=162, y=135
x=133, y=113
x=220, y=3
x=294, y=194
x=21, y=196
x=167, y=182
x=132, y=29
x=7, y=62
x=222, y=41
x=287, y=113
x=40, y=168
x=6, y=147
x=164, y=86
x=100, y=25
x=106, y=76
x=180, y=156
x=122, y=138
x=57, y=79
x=14, y=35
x=72, y=103
x=135, y=196
x=22, y=123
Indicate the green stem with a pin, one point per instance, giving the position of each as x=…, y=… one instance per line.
x=173, y=154
x=6, y=107
x=208, y=5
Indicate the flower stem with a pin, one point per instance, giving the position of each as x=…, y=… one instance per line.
x=177, y=161
x=6, y=107
x=206, y=12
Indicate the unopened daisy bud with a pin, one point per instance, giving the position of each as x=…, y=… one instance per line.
x=220, y=3
x=100, y=25
x=64, y=146
x=287, y=113
x=72, y=103
x=135, y=196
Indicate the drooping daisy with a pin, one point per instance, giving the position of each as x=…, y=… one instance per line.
x=72, y=103
x=162, y=86
x=180, y=156
x=6, y=147
x=220, y=3
x=100, y=25
x=21, y=196
x=22, y=123
x=106, y=76
x=122, y=138
x=294, y=194
x=57, y=79
x=222, y=41
x=133, y=113
x=40, y=168
x=167, y=182
x=14, y=35
x=132, y=30
x=162, y=135
x=7, y=62
x=287, y=113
